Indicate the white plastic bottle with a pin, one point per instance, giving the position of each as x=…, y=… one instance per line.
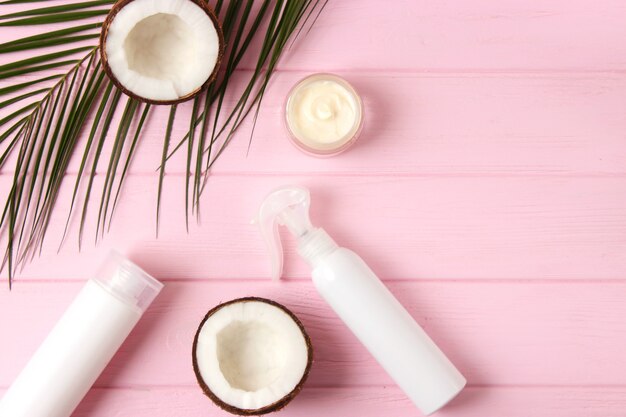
x=82, y=342
x=363, y=302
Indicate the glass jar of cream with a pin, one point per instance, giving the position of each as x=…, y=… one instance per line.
x=323, y=114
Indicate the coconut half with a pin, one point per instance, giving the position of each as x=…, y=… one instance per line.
x=161, y=51
x=251, y=356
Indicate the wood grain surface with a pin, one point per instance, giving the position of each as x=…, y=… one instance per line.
x=488, y=190
x=497, y=333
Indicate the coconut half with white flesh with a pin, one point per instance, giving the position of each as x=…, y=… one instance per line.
x=251, y=356
x=161, y=51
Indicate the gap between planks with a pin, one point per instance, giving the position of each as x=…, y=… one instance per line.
x=369, y=174
x=25, y=279
x=362, y=387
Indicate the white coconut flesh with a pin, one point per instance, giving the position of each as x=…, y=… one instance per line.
x=251, y=354
x=162, y=49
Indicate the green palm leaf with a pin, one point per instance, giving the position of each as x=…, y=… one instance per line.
x=55, y=18
x=47, y=42
x=118, y=145
x=57, y=9
x=36, y=68
x=166, y=145
x=21, y=86
x=43, y=117
x=41, y=40
x=19, y=1
x=42, y=58
x=129, y=157
x=104, y=129
x=24, y=96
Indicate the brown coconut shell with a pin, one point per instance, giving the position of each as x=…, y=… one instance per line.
x=105, y=60
x=278, y=405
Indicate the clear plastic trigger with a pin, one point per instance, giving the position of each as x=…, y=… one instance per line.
x=287, y=206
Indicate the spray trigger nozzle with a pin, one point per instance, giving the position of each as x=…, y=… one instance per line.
x=286, y=206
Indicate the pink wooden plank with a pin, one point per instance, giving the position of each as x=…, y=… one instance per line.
x=431, y=125
x=471, y=35
x=405, y=227
x=451, y=35
x=458, y=124
x=472, y=402
x=496, y=333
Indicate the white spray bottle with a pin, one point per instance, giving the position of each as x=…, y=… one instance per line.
x=363, y=302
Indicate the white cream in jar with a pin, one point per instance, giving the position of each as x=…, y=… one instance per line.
x=323, y=114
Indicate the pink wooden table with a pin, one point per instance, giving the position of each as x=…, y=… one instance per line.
x=488, y=191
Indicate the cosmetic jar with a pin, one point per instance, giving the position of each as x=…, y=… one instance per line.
x=323, y=114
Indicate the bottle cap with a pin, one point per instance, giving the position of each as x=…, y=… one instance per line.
x=127, y=281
